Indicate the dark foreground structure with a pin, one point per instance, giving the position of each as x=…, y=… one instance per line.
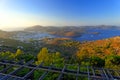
x=81, y=73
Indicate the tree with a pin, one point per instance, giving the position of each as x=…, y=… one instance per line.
x=42, y=55
x=7, y=55
x=56, y=58
x=112, y=61
x=26, y=57
x=97, y=61
x=49, y=58
x=82, y=55
x=18, y=52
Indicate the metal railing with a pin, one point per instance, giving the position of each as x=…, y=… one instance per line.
x=80, y=73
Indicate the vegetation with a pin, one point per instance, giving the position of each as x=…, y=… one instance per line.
x=49, y=58
x=101, y=53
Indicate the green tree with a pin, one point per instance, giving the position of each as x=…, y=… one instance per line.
x=26, y=57
x=49, y=58
x=97, y=61
x=112, y=61
x=6, y=55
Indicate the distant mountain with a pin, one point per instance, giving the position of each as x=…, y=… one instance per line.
x=35, y=32
x=105, y=27
x=67, y=31
x=34, y=28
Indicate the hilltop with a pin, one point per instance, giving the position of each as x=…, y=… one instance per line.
x=67, y=31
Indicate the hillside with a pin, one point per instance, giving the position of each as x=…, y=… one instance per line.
x=102, y=47
x=72, y=51
x=59, y=51
x=4, y=34
x=105, y=53
x=75, y=31
x=12, y=45
x=67, y=31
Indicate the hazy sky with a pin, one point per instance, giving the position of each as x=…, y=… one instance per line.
x=22, y=13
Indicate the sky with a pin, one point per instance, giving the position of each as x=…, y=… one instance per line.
x=18, y=14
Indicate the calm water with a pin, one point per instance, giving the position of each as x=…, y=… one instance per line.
x=103, y=33
x=88, y=36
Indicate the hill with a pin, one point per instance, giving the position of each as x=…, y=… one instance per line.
x=101, y=47
x=5, y=34
x=100, y=53
x=67, y=31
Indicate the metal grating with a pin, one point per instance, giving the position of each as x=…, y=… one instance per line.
x=10, y=70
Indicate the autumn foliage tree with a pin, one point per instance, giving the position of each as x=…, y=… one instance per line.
x=42, y=55
x=18, y=52
x=48, y=58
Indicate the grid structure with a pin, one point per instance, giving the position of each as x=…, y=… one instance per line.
x=80, y=73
